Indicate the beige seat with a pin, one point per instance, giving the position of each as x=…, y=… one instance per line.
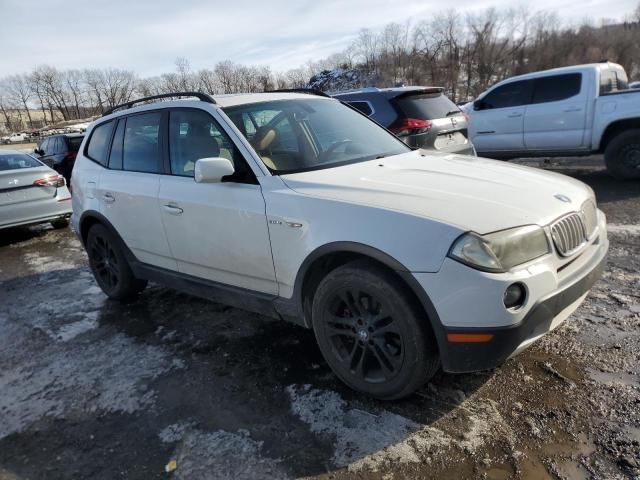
x=262, y=142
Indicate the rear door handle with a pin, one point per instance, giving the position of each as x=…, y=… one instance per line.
x=108, y=198
x=515, y=115
x=572, y=109
x=172, y=209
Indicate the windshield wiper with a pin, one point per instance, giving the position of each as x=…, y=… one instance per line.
x=453, y=112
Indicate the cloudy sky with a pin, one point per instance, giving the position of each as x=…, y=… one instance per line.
x=147, y=36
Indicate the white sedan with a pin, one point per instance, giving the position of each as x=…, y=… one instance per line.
x=31, y=192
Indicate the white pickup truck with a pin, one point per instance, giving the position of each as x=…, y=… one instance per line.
x=567, y=111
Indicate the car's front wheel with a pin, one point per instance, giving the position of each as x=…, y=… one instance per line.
x=371, y=332
x=109, y=265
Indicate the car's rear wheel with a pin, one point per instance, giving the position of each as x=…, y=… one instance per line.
x=109, y=265
x=622, y=155
x=371, y=332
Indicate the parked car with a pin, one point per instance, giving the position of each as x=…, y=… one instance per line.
x=298, y=207
x=59, y=152
x=422, y=117
x=31, y=193
x=16, y=138
x=634, y=85
x=577, y=110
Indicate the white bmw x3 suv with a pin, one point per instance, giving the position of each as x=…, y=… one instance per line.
x=300, y=207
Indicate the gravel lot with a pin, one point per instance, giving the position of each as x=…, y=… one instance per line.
x=90, y=388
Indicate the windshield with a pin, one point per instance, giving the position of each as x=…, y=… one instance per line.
x=309, y=134
x=14, y=161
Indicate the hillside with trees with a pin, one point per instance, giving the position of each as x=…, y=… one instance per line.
x=465, y=53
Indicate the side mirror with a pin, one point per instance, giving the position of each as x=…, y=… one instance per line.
x=478, y=105
x=37, y=151
x=212, y=170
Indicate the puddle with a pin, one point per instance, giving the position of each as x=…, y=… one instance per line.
x=615, y=378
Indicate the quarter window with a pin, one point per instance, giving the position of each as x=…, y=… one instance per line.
x=99, y=143
x=141, y=151
x=556, y=87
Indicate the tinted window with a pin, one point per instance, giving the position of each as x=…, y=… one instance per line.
x=142, y=143
x=427, y=106
x=512, y=94
x=115, y=157
x=59, y=145
x=73, y=143
x=194, y=134
x=14, y=161
x=364, y=107
x=99, y=143
x=556, y=87
x=308, y=134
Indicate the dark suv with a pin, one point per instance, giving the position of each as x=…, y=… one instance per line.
x=422, y=117
x=59, y=152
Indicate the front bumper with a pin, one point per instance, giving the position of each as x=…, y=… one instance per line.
x=544, y=316
x=476, y=332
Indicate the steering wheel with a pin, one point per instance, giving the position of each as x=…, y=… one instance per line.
x=333, y=148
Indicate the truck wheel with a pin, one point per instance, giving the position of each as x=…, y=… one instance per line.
x=371, y=333
x=109, y=265
x=622, y=155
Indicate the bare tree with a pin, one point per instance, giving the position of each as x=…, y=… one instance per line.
x=19, y=89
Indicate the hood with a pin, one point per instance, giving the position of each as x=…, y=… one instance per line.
x=466, y=192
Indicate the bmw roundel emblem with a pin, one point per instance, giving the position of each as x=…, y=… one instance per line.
x=562, y=198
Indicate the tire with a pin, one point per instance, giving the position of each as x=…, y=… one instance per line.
x=371, y=333
x=60, y=223
x=622, y=155
x=109, y=265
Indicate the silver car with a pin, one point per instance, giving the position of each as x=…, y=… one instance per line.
x=31, y=192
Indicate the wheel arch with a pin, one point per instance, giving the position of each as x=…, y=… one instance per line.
x=615, y=128
x=92, y=217
x=330, y=256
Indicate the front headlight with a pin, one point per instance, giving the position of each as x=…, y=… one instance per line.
x=500, y=251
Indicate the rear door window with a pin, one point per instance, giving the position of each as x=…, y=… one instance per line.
x=141, y=151
x=99, y=143
x=427, y=106
x=512, y=94
x=556, y=87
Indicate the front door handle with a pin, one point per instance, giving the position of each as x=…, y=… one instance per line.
x=108, y=198
x=172, y=209
x=572, y=109
x=515, y=115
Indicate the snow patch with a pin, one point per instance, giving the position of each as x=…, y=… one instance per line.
x=222, y=455
x=72, y=330
x=364, y=439
x=42, y=263
x=623, y=229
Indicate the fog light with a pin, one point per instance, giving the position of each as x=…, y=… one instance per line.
x=514, y=295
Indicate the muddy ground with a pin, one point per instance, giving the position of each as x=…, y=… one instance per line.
x=93, y=389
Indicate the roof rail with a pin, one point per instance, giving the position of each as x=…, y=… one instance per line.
x=310, y=91
x=201, y=96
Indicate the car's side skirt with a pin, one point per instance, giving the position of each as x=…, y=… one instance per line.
x=257, y=302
